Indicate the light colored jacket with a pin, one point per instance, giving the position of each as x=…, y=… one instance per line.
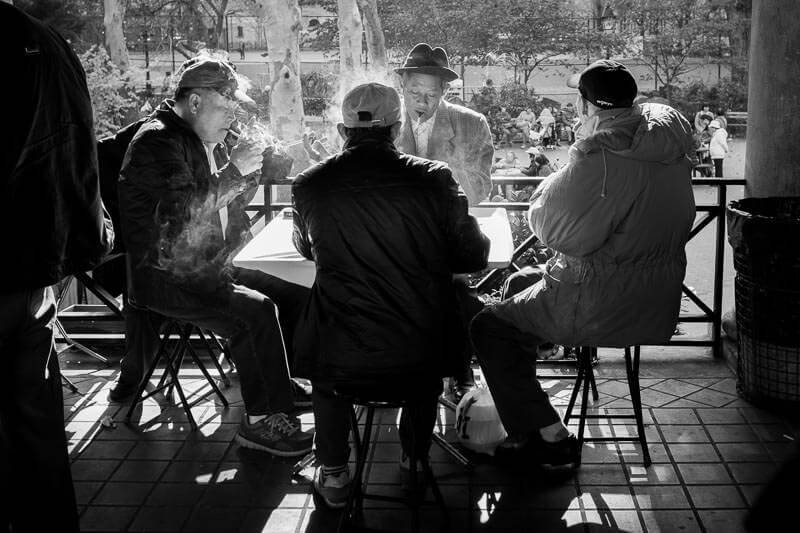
x=618, y=215
x=718, y=145
x=461, y=138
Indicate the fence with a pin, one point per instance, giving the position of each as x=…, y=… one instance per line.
x=709, y=312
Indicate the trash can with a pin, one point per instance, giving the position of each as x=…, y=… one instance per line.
x=765, y=236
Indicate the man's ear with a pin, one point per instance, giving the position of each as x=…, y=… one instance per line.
x=340, y=129
x=193, y=102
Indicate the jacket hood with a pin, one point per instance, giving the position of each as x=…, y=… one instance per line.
x=647, y=132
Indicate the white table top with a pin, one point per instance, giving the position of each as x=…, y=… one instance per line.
x=272, y=250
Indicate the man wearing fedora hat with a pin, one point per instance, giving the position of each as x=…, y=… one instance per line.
x=436, y=129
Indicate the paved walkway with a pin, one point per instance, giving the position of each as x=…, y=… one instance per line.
x=712, y=453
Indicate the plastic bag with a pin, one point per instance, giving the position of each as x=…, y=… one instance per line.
x=478, y=424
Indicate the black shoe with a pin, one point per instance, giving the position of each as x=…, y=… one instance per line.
x=562, y=454
x=122, y=391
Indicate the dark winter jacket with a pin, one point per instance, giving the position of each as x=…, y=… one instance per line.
x=52, y=221
x=169, y=207
x=386, y=232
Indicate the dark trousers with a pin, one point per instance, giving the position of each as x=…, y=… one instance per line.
x=468, y=306
x=34, y=465
x=332, y=422
x=718, y=167
x=256, y=312
x=508, y=359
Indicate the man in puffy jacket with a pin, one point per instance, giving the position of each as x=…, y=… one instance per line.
x=386, y=231
x=52, y=224
x=177, y=196
x=618, y=216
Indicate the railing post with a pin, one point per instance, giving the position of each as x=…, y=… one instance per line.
x=719, y=265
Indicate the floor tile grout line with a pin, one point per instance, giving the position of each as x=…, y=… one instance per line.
x=681, y=480
x=636, y=505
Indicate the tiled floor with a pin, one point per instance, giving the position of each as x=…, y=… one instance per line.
x=712, y=453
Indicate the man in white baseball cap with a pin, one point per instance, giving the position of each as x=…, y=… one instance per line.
x=387, y=231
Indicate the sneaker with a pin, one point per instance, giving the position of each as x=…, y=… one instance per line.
x=301, y=394
x=276, y=434
x=561, y=454
x=334, y=489
x=122, y=391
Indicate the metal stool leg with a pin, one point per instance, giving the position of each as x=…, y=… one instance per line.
x=205, y=373
x=632, y=367
x=592, y=358
x=222, y=375
x=587, y=371
x=162, y=348
x=576, y=388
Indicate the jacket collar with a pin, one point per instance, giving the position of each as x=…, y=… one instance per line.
x=166, y=113
x=368, y=143
x=441, y=133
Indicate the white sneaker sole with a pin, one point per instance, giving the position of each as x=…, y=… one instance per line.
x=246, y=443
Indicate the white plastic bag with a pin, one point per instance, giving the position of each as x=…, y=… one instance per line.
x=478, y=424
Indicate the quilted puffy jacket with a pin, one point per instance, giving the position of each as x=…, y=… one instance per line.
x=618, y=215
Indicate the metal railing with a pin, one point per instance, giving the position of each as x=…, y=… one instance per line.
x=710, y=312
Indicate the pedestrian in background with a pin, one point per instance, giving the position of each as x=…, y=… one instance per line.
x=718, y=146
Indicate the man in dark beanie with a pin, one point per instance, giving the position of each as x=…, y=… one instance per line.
x=618, y=217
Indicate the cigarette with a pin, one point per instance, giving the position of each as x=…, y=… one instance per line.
x=234, y=133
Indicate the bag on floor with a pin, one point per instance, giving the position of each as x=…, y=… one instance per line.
x=478, y=424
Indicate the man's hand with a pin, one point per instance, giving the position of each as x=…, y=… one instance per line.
x=246, y=157
x=314, y=148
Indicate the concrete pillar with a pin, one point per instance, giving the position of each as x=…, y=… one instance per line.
x=772, y=167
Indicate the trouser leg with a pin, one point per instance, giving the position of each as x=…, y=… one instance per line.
x=418, y=419
x=141, y=343
x=507, y=357
x=718, y=168
x=249, y=320
x=468, y=306
x=288, y=297
x=37, y=484
x=331, y=425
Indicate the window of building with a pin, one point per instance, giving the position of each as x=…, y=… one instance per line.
x=239, y=31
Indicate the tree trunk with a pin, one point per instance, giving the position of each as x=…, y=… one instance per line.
x=350, y=31
x=219, y=24
x=114, y=13
x=283, y=41
x=376, y=45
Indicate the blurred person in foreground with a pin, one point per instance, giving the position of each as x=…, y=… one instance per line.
x=436, y=129
x=52, y=225
x=618, y=217
x=178, y=192
x=382, y=312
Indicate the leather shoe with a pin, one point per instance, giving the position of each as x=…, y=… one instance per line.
x=122, y=391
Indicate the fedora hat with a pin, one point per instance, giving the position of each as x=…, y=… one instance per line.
x=426, y=60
